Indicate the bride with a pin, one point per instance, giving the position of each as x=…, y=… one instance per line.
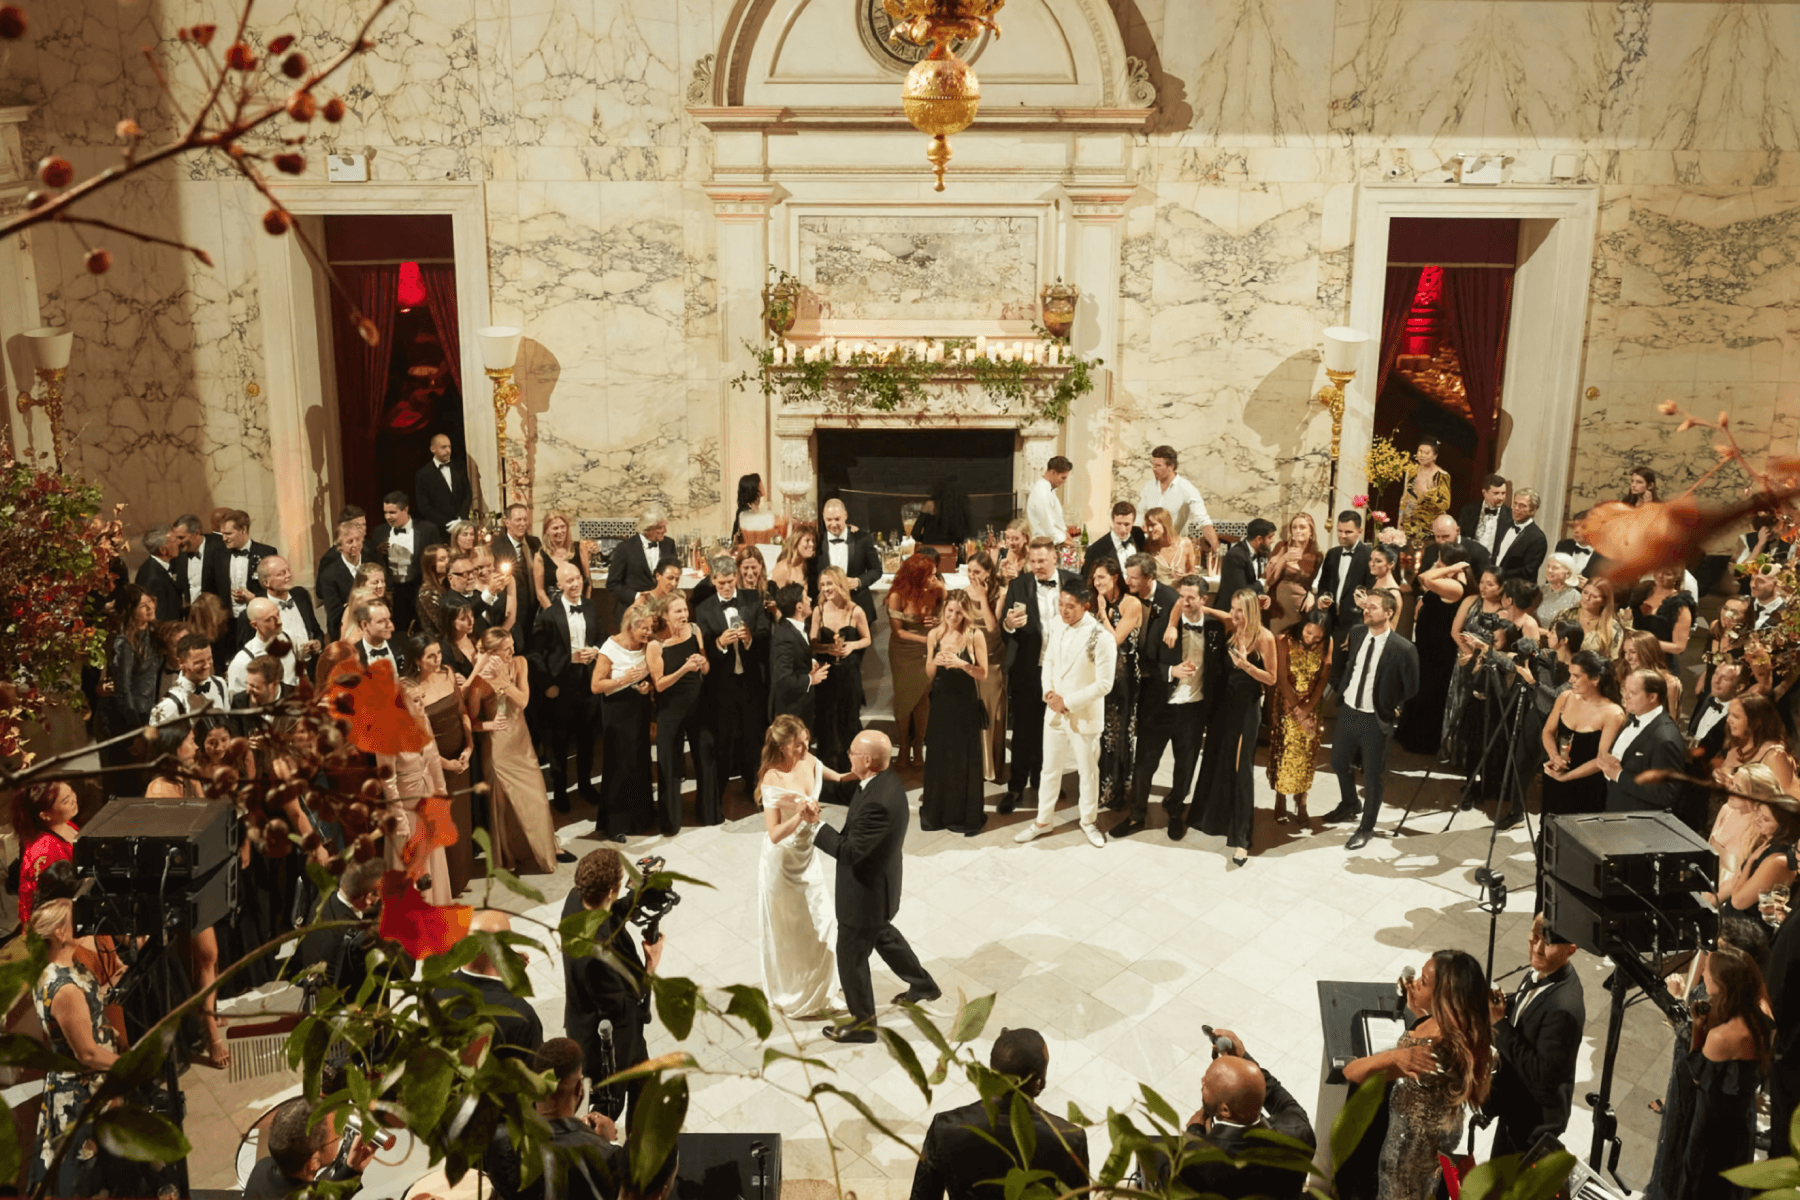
x=799, y=968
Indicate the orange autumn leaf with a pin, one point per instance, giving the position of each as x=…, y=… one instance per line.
x=1636, y=541
x=370, y=697
x=433, y=829
x=421, y=927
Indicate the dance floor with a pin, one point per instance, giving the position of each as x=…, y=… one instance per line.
x=1118, y=956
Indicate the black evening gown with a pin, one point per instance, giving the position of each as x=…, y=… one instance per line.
x=680, y=713
x=837, y=706
x=1422, y=721
x=1570, y=797
x=1228, y=770
x=625, y=749
x=953, y=796
x=1712, y=1124
x=1118, y=736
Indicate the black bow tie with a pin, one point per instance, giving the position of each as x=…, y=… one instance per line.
x=384, y=652
x=244, y=553
x=573, y=606
x=1193, y=625
x=837, y=541
x=1632, y=724
x=286, y=604
x=1714, y=704
x=1046, y=583
x=1490, y=512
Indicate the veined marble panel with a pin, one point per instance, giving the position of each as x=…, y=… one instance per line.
x=907, y=267
x=1263, y=72
x=1721, y=77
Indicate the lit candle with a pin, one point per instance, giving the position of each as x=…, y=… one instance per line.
x=1055, y=355
x=1018, y=350
x=980, y=346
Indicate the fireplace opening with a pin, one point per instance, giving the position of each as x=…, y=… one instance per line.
x=876, y=472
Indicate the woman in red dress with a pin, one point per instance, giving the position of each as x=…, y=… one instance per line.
x=43, y=817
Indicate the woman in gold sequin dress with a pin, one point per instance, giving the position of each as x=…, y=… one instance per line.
x=1302, y=667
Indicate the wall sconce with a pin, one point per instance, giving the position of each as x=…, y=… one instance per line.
x=50, y=351
x=499, y=351
x=1343, y=350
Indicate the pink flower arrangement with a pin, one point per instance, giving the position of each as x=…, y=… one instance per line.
x=1380, y=517
x=1359, y=501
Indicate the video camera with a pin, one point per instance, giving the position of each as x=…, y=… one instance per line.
x=649, y=905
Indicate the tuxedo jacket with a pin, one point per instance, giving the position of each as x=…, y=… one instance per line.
x=525, y=614
x=1106, y=547
x=1396, y=674
x=551, y=651
x=1470, y=520
x=864, y=567
x=1351, y=569
x=1475, y=557
x=1282, y=1114
x=1023, y=643
x=867, y=848
x=1237, y=571
x=169, y=591
x=424, y=534
x=304, y=606
x=790, y=664
x=336, y=580
x=215, y=569
x=959, y=1162
x=436, y=501
x=1658, y=746
x=362, y=655
x=1534, y=1088
x=1079, y=667
x=1526, y=554
x=629, y=572
x=1596, y=562
x=1154, y=658
x=710, y=617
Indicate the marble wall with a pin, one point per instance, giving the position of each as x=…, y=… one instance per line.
x=908, y=268
x=1236, y=247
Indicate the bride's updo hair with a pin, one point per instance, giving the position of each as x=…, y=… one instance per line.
x=782, y=730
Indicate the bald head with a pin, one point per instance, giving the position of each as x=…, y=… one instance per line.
x=837, y=518
x=869, y=753
x=1232, y=1090
x=1445, y=529
x=487, y=920
x=264, y=616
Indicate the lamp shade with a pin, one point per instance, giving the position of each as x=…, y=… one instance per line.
x=50, y=347
x=499, y=346
x=1343, y=348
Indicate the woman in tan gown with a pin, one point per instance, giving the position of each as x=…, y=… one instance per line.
x=1175, y=555
x=440, y=695
x=523, y=832
x=1293, y=565
x=913, y=604
x=985, y=598
x=412, y=776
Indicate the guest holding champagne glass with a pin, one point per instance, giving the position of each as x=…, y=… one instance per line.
x=986, y=602
x=956, y=662
x=912, y=604
x=1012, y=550
x=622, y=676
x=1228, y=770
x=439, y=692
x=840, y=633
x=1175, y=555
x=522, y=829
x=1293, y=565
x=678, y=665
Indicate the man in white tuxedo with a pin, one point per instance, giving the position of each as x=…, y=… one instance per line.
x=1077, y=674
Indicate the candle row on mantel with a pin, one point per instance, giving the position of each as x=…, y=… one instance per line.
x=1037, y=354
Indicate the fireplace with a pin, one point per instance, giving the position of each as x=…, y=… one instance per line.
x=877, y=471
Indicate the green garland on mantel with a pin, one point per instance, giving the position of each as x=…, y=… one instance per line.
x=898, y=378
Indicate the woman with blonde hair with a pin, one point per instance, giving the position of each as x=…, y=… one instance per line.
x=499, y=688
x=1766, y=858
x=411, y=776
x=1012, y=550
x=955, y=662
x=1174, y=553
x=986, y=594
x=678, y=664
x=1293, y=565
x=1227, y=787
x=840, y=631
x=559, y=546
x=622, y=675
x=795, y=563
x=797, y=923
x=1601, y=629
x=464, y=536
x=1640, y=651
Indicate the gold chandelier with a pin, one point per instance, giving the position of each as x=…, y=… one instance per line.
x=941, y=94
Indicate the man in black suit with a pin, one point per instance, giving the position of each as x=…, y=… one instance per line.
x=1782, y=971
x=399, y=541
x=228, y=568
x=157, y=575
x=632, y=567
x=967, y=1149
x=1486, y=520
x=1537, y=1038
x=564, y=646
x=736, y=630
x=1238, y=1096
x=1383, y=676
x=191, y=564
x=275, y=582
x=792, y=673
x=1766, y=601
x=342, y=952
x=585, y=1160
x=1522, y=546
x=516, y=1035
x=442, y=486
x=1121, y=543
x=849, y=551
x=1446, y=532
x=1650, y=741
x=1346, y=569
x=377, y=645
x=1588, y=562
x=1242, y=565
x=1032, y=610
x=514, y=550
x=611, y=984
x=336, y=577
x=868, y=856
x=465, y=591
x=1167, y=710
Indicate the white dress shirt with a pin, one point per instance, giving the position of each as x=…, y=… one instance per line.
x=577, y=624
x=1181, y=499
x=800, y=628
x=1761, y=614
x=183, y=697
x=401, y=562
x=1368, y=661
x=1193, y=649
x=1710, y=715
x=443, y=469
x=1044, y=514
x=294, y=626
x=383, y=651
x=1344, y=560
x=734, y=619
x=1484, y=529
x=1122, y=550
x=1581, y=555
x=238, y=563
x=1634, y=725
x=1507, y=540
x=1049, y=606
x=237, y=675
x=837, y=550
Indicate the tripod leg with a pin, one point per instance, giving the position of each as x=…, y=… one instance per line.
x=1606, y=1122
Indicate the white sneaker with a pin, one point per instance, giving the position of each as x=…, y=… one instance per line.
x=1032, y=830
x=1094, y=837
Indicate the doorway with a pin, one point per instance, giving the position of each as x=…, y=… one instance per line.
x=875, y=472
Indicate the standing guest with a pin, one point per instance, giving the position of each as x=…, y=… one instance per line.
x=612, y=983
x=439, y=692
x=634, y=560
x=912, y=603
x=196, y=686
x=1381, y=681
x=678, y=665
x=398, y=544
x=1582, y=719
x=157, y=575
x=513, y=553
x=410, y=777
x=1241, y=568
x=519, y=1032
x=1640, y=651
x=1765, y=607
x=985, y=612
x=799, y=553
x=1228, y=773
x=1345, y=568
x=840, y=633
x=1476, y=628
x=1235, y=1093
x=463, y=591
x=793, y=676
x=1011, y=560
x=1753, y=734
x=1661, y=608
x=43, y=821
x=1783, y=973
x=275, y=580
x=1426, y=494
x=1302, y=667
x=1537, y=1038
x=955, y=663
x=1486, y=520
x=753, y=579
x=1077, y=674
x=442, y=485
x=1520, y=550
x=1649, y=741
x=1043, y=512
x=1440, y=584
x=337, y=573
x=1121, y=614
x=1587, y=562
x=735, y=631
x=361, y=597
x=230, y=570
x=434, y=581
x=1172, y=696
x=1174, y=553
x=564, y=647
x=1176, y=496
x=1642, y=489
x=523, y=831
x=1032, y=613
x=1766, y=860
x=377, y=623
x=795, y=926
x=1601, y=629
x=946, y=520
x=464, y=536
x=559, y=546
x=459, y=640
x=265, y=627
x=212, y=620
x=192, y=539
x=344, y=952
x=1729, y=632
x=1712, y=1115
x=1122, y=541
x=1288, y=578
x=1384, y=567
x=1560, y=592
x=853, y=553
x=1707, y=725
x=1762, y=538
x=750, y=495
x=132, y=667
x=622, y=676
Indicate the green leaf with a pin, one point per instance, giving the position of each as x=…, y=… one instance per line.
x=770, y=1055
x=140, y=1135
x=920, y=1018
x=1545, y=1178
x=18, y=1050
x=1354, y=1120
x=750, y=1004
x=10, y=1150
x=902, y=1052
x=1159, y=1108
x=513, y=883
x=1023, y=1131
x=971, y=1018
x=1762, y=1176
x=856, y=1102
x=1118, y=1159
x=1489, y=1178
x=425, y=1088
x=656, y=1121
x=138, y=1065
x=676, y=1001
x=651, y=1068
x=1077, y=1117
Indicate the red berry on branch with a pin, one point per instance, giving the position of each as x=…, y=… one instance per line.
x=240, y=57
x=37, y=199
x=276, y=222
x=294, y=65
x=281, y=43
x=302, y=107
x=55, y=172
x=203, y=34
x=290, y=164
x=334, y=110
x=12, y=22
x=99, y=261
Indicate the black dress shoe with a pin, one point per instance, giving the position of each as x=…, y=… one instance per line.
x=977, y=832
x=1343, y=812
x=1125, y=829
x=1009, y=802
x=844, y=1034
x=911, y=997
x=1359, y=839
x=564, y=856
x=560, y=803
x=1178, y=826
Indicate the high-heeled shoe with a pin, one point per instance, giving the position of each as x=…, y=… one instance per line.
x=1281, y=815
x=1241, y=859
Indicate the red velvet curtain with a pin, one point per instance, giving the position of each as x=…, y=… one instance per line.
x=378, y=294
x=1476, y=300
x=440, y=298
x=362, y=372
x=1396, y=303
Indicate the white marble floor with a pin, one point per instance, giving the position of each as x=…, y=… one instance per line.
x=1116, y=955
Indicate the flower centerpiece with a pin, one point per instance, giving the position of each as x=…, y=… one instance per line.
x=1385, y=465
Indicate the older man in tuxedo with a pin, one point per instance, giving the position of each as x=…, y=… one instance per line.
x=852, y=553
x=275, y=582
x=1520, y=550
x=565, y=644
x=336, y=577
x=158, y=575
x=1077, y=674
x=1650, y=741
x=399, y=541
x=264, y=617
x=1032, y=612
x=441, y=486
x=793, y=676
x=1537, y=1038
x=1383, y=676
x=632, y=567
x=735, y=629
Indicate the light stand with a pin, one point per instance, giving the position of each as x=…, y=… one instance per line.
x=50, y=352
x=499, y=353
x=1343, y=350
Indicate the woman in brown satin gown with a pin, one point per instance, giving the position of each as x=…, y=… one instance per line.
x=523, y=832
x=440, y=695
x=1293, y=565
x=985, y=598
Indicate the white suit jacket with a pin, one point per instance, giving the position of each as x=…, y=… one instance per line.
x=1078, y=666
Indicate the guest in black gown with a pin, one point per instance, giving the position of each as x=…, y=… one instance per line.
x=840, y=634
x=956, y=662
x=678, y=666
x=1441, y=586
x=1227, y=788
x=1582, y=720
x=1121, y=614
x=1711, y=1117
x=622, y=676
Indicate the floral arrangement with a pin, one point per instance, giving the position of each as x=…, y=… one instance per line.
x=1378, y=526
x=1386, y=463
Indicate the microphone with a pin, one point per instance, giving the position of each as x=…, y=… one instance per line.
x=1406, y=977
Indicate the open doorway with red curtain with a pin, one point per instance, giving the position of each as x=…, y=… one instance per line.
x=1443, y=343
x=394, y=396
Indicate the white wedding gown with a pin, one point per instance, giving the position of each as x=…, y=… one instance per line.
x=799, y=922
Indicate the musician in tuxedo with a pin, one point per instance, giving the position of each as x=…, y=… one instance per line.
x=275, y=582
x=735, y=629
x=228, y=566
x=966, y=1150
x=377, y=645
x=1171, y=695
x=1124, y=540
x=1522, y=545
x=514, y=550
x=1032, y=609
x=1079, y=663
x=441, y=486
x=1383, y=676
x=868, y=852
x=1242, y=564
x=1237, y=1095
x=565, y=643
x=1650, y=741
x=1346, y=569
x=399, y=540
x=159, y=576
x=632, y=567
x=793, y=677
x=1486, y=520
x=1537, y=1038
x=849, y=551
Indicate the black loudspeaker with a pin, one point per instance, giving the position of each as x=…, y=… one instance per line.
x=1635, y=854
x=1600, y=925
x=122, y=909
x=729, y=1166
x=156, y=843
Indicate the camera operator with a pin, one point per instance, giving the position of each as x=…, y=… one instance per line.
x=1236, y=1096
x=598, y=990
x=299, y=1156
x=344, y=952
x=595, y=1163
